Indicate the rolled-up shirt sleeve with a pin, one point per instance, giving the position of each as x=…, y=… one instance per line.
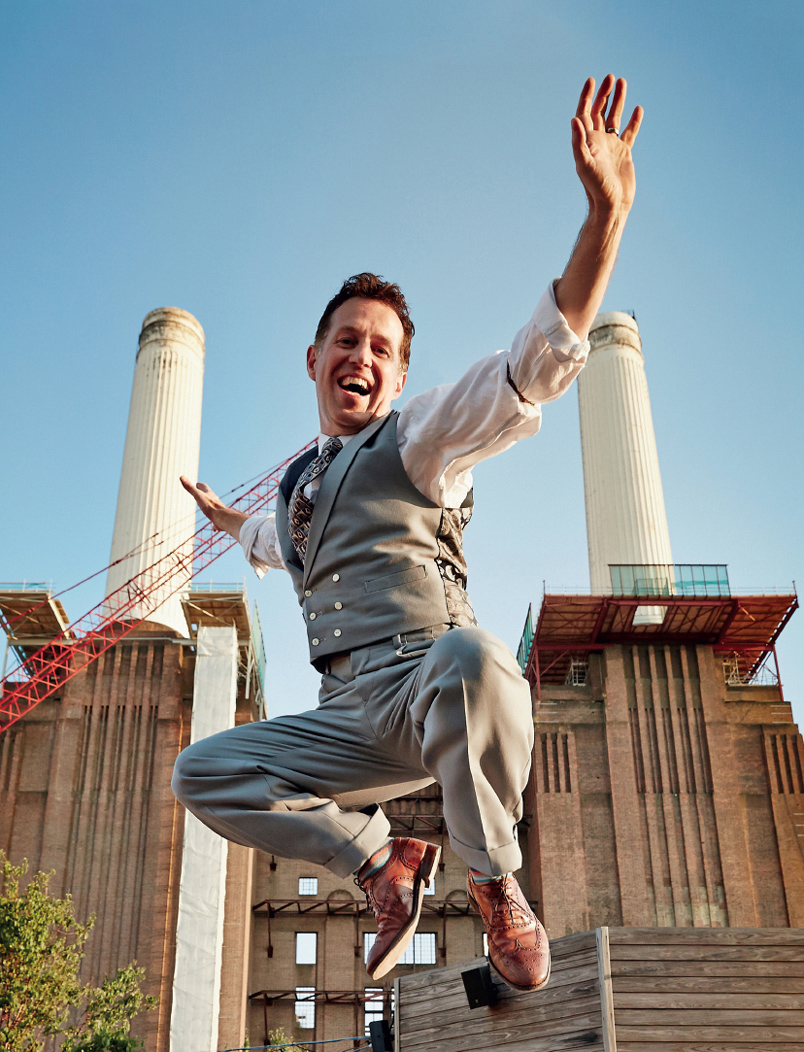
x=546, y=355
x=444, y=432
x=260, y=543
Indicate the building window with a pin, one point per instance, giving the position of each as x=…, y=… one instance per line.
x=485, y=945
x=373, y=1008
x=306, y=947
x=422, y=949
x=305, y=1007
x=577, y=673
x=308, y=885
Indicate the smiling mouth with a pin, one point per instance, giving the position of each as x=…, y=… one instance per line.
x=354, y=385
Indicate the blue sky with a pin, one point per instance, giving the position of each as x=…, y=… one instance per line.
x=239, y=159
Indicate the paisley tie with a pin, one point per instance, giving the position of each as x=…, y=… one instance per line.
x=300, y=508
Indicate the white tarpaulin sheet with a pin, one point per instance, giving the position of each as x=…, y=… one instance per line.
x=199, y=931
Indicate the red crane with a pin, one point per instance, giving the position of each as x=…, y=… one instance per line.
x=44, y=672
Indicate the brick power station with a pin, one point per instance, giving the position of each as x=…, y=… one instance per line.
x=667, y=778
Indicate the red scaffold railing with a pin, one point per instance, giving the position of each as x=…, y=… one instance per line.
x=45, y=671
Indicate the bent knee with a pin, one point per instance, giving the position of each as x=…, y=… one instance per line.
x=476, y=653
x=190, y=768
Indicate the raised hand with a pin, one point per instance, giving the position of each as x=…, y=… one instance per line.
x=602, y=154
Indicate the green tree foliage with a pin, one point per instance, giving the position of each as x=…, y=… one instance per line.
x=277, y=1037
x=41, y=949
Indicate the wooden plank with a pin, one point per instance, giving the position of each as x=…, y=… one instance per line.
x=706, y=936
x=569, y=944
x=582, y=1031
x=581, y=976
x=681, y=952
x=714, y=984
x=604, y=989
x=587, y=1040
x=644, y=1036
x=513, y=1009
x=691, y=969
x=701, y=1017
x=515, y=1013
x=570, y=977
x=455, y=1001
x=712, y=1002
x=708, y=1046
x=398, y=1027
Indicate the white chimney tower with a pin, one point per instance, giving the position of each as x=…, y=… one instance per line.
x=162, y=442
x=626, y=521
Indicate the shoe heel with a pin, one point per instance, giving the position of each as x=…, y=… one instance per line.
x=429, y=863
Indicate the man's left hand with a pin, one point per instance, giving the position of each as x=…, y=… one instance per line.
x=602, y=154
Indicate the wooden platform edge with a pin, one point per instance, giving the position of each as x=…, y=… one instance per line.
x=606, y=993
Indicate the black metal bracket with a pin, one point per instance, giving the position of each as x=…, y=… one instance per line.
x=479, y=987
x=380, y=1036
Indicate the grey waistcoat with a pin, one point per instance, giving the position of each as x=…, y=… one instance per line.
x=381, y=558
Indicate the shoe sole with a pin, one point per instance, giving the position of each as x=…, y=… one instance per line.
x=426, y=872
x=507, y=981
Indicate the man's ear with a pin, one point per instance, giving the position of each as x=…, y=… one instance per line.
x=312, y=358
x=401, y=380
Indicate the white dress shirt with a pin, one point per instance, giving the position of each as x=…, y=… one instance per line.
x=444, y=432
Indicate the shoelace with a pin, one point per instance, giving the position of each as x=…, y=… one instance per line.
x=371, y=901
x=518, y=916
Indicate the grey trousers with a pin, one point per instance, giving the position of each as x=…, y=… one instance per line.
x=390, y=720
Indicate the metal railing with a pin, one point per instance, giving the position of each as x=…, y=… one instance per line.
x=26, y=586
x=218, y=586
x=526, y=642
x=702, y=580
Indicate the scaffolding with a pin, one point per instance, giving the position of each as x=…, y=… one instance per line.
x=742, y=628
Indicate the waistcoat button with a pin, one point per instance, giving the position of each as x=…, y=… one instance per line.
x=337, y=632
x=336, y=577
x=307, y=592
x=339, y=606
x=313, y=616
x=315, y=642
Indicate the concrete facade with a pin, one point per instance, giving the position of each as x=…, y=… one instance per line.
x=155, y=516
x=626, y=521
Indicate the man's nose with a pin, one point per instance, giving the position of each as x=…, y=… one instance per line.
x=361, y=353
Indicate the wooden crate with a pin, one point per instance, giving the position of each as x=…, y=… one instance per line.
x=626, y=989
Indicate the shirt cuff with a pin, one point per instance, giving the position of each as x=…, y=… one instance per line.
x=549, y=320
x=249, y=533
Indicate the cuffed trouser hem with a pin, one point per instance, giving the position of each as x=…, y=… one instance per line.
x=492, y=863
x=370, y=839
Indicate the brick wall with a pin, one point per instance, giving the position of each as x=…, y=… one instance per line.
x=663, y=797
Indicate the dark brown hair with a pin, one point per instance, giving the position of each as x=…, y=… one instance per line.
x=371, y=287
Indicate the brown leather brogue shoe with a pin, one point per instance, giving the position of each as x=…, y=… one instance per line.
x=518, y=948
x=394, y=894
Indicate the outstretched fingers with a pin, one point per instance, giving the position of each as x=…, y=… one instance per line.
x=201, y=494
x=583, y=113
x=580, y=146
x=632, y=128
x=601, y=101
x=617, y=105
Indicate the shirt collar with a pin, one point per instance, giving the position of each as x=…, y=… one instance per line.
x=323, y=439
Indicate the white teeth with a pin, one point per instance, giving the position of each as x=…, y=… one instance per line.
x=355, y=381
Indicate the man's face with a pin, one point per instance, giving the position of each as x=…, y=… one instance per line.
x=356, y=368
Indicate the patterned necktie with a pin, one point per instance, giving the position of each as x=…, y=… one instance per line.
x=300, y=508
